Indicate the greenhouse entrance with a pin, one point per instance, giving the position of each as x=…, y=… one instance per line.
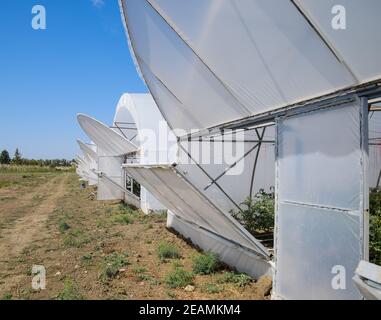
x=322, y=200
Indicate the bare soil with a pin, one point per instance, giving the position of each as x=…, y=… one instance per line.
x=46, y=219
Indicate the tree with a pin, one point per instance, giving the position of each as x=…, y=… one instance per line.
x=17, y=157
x=4, y=157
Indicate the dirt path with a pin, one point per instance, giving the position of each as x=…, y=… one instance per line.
x=98, y=250
x=27, y=229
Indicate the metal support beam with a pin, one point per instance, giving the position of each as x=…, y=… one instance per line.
x=231, y=167
x=209, y=176
x=256, y=160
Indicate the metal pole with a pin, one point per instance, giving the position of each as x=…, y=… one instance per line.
x=230, y=167
x=256, y=161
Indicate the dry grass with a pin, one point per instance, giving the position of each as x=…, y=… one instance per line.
x=89, y=252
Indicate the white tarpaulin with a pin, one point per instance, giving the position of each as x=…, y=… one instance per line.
x=111, y=150
x=238, y=58
x=358, y=44
x=171, y=189
x=90, y=157
x=111, y=178
x=228, y=252
x=254, y=169
x=138, y=119
x=321, y=199
x=109, y=142
x=88, y=151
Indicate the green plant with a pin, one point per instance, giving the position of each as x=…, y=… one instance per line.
x=63, y=226
x=122, y=219
x=205, y=263
x=113, y=263
x=6, y=296
x=4, y=157
x=210, y=288
x=144, y=277
x=171, y=295
x=75, y=238
x=161, y=216
x=237, y=278
x=70, y=291
x=258, y=214
x=138, y=270
x=86, y=258
x=375, y=227
x=124, y=208
x=167, y=250
x=178, y=278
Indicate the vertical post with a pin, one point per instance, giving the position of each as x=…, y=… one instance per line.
x=364, y=116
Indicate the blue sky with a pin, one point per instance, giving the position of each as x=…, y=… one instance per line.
x=80, y=63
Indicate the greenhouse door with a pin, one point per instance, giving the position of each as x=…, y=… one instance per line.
x=322, y=200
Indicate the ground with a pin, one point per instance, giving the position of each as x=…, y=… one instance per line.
x=92, y=249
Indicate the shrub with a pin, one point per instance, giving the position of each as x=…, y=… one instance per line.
x=205, y=263
x=113, y=263
x=237, y=278
x=210, y=288
x=124, y=208
x=167, y=250
x=6, y=296
x=75, y=238
x=138, y=270
x=63, y=226
x=179, y=278
x=258, y=214
x=375, y=227
x=87, y=258
x=122, y=219
x=70, y=291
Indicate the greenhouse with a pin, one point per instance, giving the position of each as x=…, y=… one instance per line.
x=321, y=176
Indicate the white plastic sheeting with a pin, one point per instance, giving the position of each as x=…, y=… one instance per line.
x=88, y=151
x=148, y=202
x=178, y=195
x=228, y=252
x=255, y=171
x=109, y=142
x=91, y=159
x=111, y=179
x=358, y=45
x=84, y=166
x=111, y=150
x=375, y=149
x=321, y=195
x=138, y=119
x=246, y=57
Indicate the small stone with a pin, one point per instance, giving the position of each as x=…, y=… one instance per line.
x=122, y=270
x=76, y=266
x=86, y=271
x=189, y=288
x=58, y=273
x=141, y=283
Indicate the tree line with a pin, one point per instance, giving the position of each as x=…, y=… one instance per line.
x=19, y=160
